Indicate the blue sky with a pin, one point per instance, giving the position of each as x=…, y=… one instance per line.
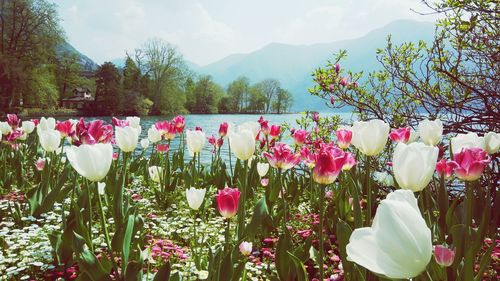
x=208, y=30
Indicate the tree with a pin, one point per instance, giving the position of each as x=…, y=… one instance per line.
x=68, y=72
x=456, y=78
x=205, y=96
x=238, y=90
x=269, y=88
x=166, y=68
x=283, y=101
x=29, y=32
x=108, y=89
x=257, y=101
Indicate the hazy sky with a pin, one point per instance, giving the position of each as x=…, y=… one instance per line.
x=208, y=30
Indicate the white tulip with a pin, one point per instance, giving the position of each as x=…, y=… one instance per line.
x=91, y=161
x=49, y=140
x=492, y=142
x=245, y=248
x=252, y=126
x=135, y=122
x=195, y=141
x=154, y=135
x=430, y=132
x=5, y=128
x=469, y=140
x=195, y=197
x=371, y=136
x=156, y=173
x=414, y=164
x=126, y=138
x=28, y=127
x=100, y=188
x=144, y=143
x=242, y=144
x=262, y=169
x=398, y=244
x=46, y=124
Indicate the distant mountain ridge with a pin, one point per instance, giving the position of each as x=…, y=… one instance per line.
x=87, y=64
x=293, y=65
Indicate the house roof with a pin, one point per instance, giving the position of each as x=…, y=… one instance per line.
x=79, y=99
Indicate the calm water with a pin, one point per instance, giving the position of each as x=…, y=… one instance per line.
x=210, y=125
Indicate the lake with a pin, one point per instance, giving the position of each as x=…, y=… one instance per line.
x=210, y=125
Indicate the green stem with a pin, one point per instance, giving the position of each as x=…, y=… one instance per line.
x=89, y=195
x=105, y=229
x=227, y=237
x=282, y=189
x=242, y=209
x=321, y=242
x=369, y=192
x=469, y=257
x=230, y=162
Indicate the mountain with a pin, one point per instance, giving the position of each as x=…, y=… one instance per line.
x=88, y=65
x=293, y=65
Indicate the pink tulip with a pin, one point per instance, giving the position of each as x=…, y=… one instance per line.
x=163, y=148
x=166, y=129
x=92, y=133
x=14, y=135
x=115, y=155
x=120, y=123
x=300, y=136
x=40, y=164
x=13, y=121
x=344, y=137
x=264, y=182
x=282, y=157
x=308, y=157
x=329, y=162
x=65, y=128
x=264, y=127
x=400, y=135
x=350, y=161
x=471, y=163
x=445, y=167
x=223, y=129
x=275, y=131
x=443, y=255
x=179, y=123
x=227, y=201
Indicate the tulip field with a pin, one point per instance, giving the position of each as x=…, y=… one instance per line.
x=319, y=199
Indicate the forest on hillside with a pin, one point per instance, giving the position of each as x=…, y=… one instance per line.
x=37, y=73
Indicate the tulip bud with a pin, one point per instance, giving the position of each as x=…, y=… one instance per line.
x=370, y=137
x=275, y=131
x=144, y=143
x=444, y=256
x=126, y=138
x=414, y=165
x=101, y=188
x=262, y=169
x=446, y=168
x=344, y=137
x=246, y=248
x=492, y=142
x=430, y=131
x=242, y=144
x=49, y=140
x=223, y=129
x=154, y=135
x=264, y=182
x=91, y=161
x=28, y=127
x=40, y=164
x=156, y=173
x=227, y=202
x=195, y=197
x=195, y=141
x=471, y=163
x=300, y=136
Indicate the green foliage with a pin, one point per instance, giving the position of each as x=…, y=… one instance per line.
x=108, y=89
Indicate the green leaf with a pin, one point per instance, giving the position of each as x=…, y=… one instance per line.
x=343, y=234
x=87, y=261
x=485, y=261
x=134, y=271
x=127, y=239
x=283, y=261
x=260, y=213
x=299, y=267
x=226, y=268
